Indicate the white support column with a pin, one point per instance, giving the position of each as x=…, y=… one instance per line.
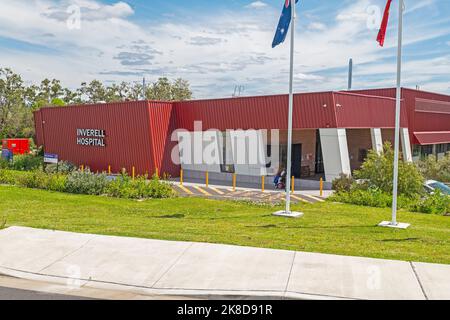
x=406, y=145
x=335, y=153
x=377, y=140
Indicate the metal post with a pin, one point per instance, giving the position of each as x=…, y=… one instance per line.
x=394, y=222
x=350, y=74
x=288, y=212
x=397, y=113
x=321, y=187
x=291, y=108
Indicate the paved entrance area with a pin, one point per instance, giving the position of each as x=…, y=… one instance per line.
x=154, y=267
x=221, y=192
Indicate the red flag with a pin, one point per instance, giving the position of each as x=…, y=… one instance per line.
x=384, y=24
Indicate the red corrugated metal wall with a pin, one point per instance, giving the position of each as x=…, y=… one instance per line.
x=162, y=124
x=312, y=110
x=363, y=111
x=127, y=140
x=139, y=133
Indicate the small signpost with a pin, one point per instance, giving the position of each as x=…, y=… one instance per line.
x=7, y=154
x=50, y=158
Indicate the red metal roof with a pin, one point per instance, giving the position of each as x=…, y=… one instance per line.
x=427, y=138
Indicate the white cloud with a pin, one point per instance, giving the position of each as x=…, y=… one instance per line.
x=317, y=26
x=214, y=53
x=257, y=5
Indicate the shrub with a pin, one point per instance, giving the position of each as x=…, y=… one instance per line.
x=7, y=177
x=4, y=164
x=86, y=183
x=343, y=183
x=34, y=179
x=27, y=162
x=378, y=171
x=57, y=182
x=435, y=203
x=64, y=167
x=140, y=188
x=434, y=169
x=369, y=198
x=89, y=183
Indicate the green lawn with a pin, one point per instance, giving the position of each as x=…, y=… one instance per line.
x=326, y=227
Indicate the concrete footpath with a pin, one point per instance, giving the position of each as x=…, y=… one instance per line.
x=153, y=267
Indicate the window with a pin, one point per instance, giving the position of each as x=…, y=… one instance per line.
x=269, y=155
x=441, y=148
x=226, y=165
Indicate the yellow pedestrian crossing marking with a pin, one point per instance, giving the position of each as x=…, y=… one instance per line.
x=245, y=194
x=217, y=190
x=203, y=191
x=314, y=198
x=186, y=190
x=298, y=198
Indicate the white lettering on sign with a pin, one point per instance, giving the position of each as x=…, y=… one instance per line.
x=91, y=137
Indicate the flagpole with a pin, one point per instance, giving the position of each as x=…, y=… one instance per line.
x=394, y=222
x=291, y=111
x=397, y=112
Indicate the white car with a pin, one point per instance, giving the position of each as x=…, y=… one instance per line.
x=432, y=185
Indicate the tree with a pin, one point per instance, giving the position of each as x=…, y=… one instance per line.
x=164, y=90
x=15, y=118
x=18, y=101
x=378, y=171
x=181, y=90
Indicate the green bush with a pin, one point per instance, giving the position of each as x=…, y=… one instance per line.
x=27, y=162
x=434, y=169
x=4, y=164
x=33, y=179
x=378, y=171
x=435, y=203
x=369, y=198
x=10, y=177
x=343, y=183
x=140, y=188
x=89, y=183
x=57, y=182
x=64, y=167
x=86, y=183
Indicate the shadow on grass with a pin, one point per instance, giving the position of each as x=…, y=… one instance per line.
x=400, y=240
x=311, y=227
x=171, y=216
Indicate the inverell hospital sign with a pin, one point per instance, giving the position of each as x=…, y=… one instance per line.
x=91, y=137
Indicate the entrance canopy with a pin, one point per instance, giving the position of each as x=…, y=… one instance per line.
x=436, y=137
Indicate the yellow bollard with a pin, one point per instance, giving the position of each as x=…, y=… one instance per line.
x=157, y=173
x=82, y=168
x=292, y=184
x=181, y=177
x=134, y=172
x=207, y=179
x=263, y=187
x=321, y=187
x=109, y=170
x=234, y=182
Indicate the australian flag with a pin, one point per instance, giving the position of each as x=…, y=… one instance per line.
x=283, y=25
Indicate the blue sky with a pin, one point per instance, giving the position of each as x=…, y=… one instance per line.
x=217, y=45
